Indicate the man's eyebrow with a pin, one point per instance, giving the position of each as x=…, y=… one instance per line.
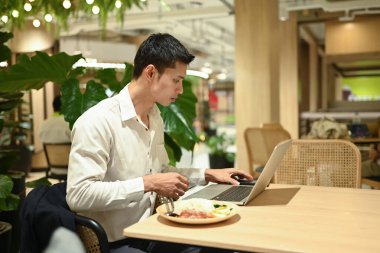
x=182, y=77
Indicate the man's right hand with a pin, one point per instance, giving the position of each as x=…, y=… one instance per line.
x=172, y=184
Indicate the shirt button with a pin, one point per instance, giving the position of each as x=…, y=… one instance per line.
x=146, y=129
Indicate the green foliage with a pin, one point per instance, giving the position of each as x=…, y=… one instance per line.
x=34, y=72
x=38, y=182
x=74, y=103
x=8, y=200
x=5, y=52
x=218, y=146
x=62, y=15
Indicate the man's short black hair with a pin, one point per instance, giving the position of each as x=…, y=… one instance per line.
x=57, y=103
x=163, y=51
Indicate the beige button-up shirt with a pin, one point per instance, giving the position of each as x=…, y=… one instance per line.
x=111, y=151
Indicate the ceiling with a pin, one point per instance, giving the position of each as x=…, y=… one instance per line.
x=206, y=27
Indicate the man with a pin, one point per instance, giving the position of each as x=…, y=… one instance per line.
x=371, y=167
x=118, y=162
x=55, y=129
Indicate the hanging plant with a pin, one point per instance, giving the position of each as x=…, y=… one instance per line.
x=16, y=13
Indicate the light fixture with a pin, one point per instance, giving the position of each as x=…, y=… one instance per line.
x=15, y=13
x=118, y=4
x=95, y=9
x=36, y=23
x=89, y=2
x=48, y=17
x=3, y=64
x=92, y=63
x=27, y=7
x=66, y=4
x=207, y=69
x=4, y=18
x=197, y=73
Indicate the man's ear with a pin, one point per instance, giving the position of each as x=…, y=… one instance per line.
x=149, y=71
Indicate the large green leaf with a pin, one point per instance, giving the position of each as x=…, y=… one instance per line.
x=5, y=52
x=108, y=77
x=6, y=185
x=172, y=149
x=34, y=72
x=178, y=118
x=8, y=101
x=74, y=103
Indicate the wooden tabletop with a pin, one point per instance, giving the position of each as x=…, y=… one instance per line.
x=284, y=218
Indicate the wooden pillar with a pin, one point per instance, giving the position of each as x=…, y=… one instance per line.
x=266, y=81
x=256, y=68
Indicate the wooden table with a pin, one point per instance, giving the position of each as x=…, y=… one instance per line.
x=284, y=218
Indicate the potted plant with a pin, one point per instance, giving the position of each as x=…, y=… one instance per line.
x=219, y=156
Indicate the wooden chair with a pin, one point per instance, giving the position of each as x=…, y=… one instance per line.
x=260, y=142
x=92, y=235
x=57, y=157
x=335, y=163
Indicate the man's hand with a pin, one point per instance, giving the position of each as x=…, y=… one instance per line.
x=172, y=185
x=225, y=176
x=374, y=152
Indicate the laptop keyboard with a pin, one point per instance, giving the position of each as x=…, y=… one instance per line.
x=234, y=194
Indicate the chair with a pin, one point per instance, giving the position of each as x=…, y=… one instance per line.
x=57, y=157
x=92, y=234
x=260, y=142
x=332, y=162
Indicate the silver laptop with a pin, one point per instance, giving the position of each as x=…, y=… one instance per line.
x=242, y=194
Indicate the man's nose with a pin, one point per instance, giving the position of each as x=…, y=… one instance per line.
x=180, y=88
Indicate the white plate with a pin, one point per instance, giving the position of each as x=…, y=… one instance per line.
x=161, y=210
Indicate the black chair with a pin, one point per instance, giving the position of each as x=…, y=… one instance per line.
x=92, y=235
x=57, y=157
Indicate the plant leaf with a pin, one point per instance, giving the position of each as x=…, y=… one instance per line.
x=10, y=203
x=172, y=149
x=6, y=185
x=74, y=103
x=34, y=72
x=38, y=182
x=5, y=52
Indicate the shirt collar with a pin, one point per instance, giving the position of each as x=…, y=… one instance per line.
x=127, y=108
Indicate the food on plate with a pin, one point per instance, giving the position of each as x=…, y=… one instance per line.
x=201, y=209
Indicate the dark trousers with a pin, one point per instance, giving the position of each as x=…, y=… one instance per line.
x=131, y=245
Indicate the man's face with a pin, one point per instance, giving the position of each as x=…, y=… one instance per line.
x=167, y=86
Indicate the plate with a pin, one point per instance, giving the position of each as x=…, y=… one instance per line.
x=161, y=210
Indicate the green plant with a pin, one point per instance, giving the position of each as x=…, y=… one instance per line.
x=218, y=146
x=61, y=15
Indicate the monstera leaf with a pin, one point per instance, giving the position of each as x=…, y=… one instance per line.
x=34, y=72
x=108, y=77
x=5, y=52
x=74, y=103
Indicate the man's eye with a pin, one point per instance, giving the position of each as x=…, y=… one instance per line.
x=176, y=80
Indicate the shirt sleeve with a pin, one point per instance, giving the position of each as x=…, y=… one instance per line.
x=89, y=156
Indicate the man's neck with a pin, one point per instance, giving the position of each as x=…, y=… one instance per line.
x=141, y=99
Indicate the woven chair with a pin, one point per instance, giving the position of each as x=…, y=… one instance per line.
x=335, y=163
x=92, y=235
x=260, y=142
x=57, y=157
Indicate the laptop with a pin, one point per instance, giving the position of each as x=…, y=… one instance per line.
x=242, y=194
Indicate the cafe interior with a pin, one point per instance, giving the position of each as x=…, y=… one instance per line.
x=265, y=72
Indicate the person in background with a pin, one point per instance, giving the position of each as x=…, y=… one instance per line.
x=118, y=162
x=55, y=129
x=371, y=167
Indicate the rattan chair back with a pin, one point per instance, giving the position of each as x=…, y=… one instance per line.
x=335, y=163
x=260, y=142
x=57, y=156
x=92, y=235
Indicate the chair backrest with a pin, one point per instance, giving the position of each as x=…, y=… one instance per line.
x=57, y=157
x=260, y=142
x=92, y=235
x=332, y=162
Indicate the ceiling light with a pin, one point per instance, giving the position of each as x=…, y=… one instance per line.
x=4, y=64
x=221, y=76
x=27, y=7
x=118, y=4
x=89, y=2
x=197, y=73
x=206, y=69
x=48, y=17
x=36, y=23
x=95, y=9
x=15, y=13
x=4, y=18
x=66, y=4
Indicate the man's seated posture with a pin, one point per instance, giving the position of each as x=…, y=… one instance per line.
x=371, y=167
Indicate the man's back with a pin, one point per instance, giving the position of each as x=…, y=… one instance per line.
x=55, y=130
